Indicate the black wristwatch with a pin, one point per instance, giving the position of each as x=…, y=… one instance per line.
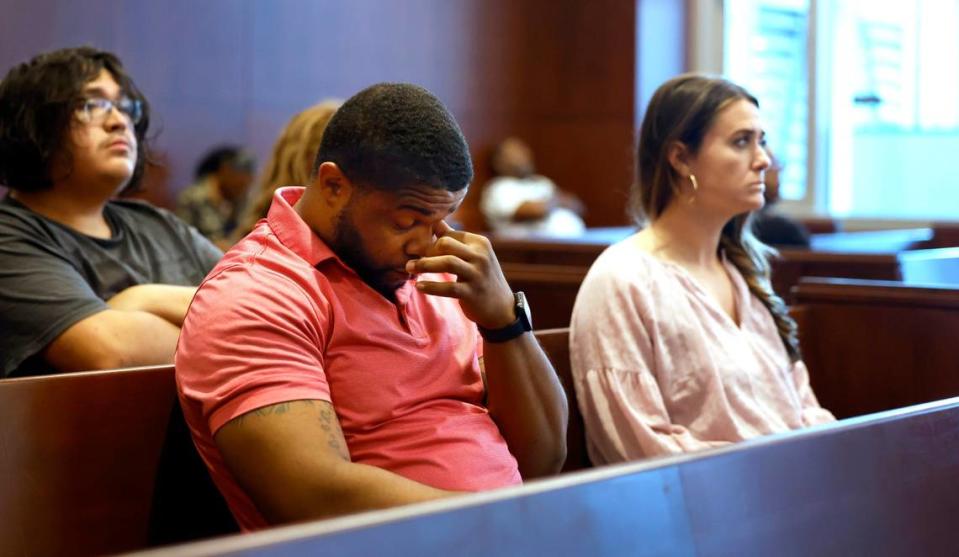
x=523, y=323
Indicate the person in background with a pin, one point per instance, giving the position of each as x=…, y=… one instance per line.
x=320, y=378
x=213, y=204
x=772, y=227
x=86, y=281
x=520, y=202
x=290, y=163
x=677, y=341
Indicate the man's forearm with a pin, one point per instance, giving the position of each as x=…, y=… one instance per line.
x=527, y=402
x=113, y=339
x=350, y=488
x=163, y=300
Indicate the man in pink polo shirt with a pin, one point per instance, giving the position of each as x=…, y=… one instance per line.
x=354, y=352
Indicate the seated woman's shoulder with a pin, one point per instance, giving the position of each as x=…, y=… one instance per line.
x=626, y=254
x=625, y=263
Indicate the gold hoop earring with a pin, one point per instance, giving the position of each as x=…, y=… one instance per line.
x=692, y=196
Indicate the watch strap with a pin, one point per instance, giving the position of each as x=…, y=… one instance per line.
x=516, y=328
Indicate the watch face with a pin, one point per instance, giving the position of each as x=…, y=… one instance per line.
x=522, y=310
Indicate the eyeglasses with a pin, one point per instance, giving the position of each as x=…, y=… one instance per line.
x=95, y=109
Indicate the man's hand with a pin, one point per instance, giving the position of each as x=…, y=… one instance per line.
x=480, y=286
x=524, y=396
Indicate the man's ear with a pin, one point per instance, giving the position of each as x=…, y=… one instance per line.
x=332, y=185
x=679, y=158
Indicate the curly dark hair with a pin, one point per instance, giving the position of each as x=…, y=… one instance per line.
x=394, y=135
x=37, y=103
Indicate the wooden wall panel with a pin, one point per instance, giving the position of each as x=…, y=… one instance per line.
x=559, y=73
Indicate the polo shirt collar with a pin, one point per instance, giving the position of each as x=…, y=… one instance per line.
x=292, y=231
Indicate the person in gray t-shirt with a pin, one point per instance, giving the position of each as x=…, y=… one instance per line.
x=86, y=281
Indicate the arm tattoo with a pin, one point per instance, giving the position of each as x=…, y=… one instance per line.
x=331, y=426
x=281, y=408
x=328, y=422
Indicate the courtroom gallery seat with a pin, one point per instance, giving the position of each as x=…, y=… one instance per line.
x=96, y=462
x=102, y=462
x=555, y=343
x=880, y=485
x=877, y=345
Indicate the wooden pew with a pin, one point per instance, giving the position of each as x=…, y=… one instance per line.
x=102, y=462
x=791, y=265
x=873, y=345
x=548, y=250
x=89, y=465
x=879, y=485
x=555, y=343
x=945, y=235
x=931, y=266
x=874, y=241
x=551, y=270
x=550, y=289
x=820, y=225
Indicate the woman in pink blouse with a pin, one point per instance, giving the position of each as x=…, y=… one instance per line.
x=677, y=340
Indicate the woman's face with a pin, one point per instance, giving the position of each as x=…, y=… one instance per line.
x=731, y=162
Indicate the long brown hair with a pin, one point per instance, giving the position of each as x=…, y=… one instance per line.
x=683, y=109
x=291, y=162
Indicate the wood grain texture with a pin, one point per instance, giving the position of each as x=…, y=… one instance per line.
x=560, y=74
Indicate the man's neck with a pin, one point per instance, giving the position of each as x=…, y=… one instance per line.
x=83, y=213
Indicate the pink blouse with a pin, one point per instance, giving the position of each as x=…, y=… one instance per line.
x=659, y=367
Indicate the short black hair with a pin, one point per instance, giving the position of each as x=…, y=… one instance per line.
x=394, y=135
x=37, y=102
x=235, y=156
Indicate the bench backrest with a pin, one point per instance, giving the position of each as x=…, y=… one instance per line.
x=881, y=485
x=873, y=345
x=78, y=459
x=931, y=266
x=91, y=465
x=555, y=343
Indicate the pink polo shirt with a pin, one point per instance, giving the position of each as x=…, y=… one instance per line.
x=282, y=318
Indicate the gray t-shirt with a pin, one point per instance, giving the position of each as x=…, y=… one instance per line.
x=52, y=276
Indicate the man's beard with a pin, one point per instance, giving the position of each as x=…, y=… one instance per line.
x=348, y=245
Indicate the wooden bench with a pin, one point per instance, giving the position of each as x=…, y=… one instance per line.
x=878, y=485
x=873, y=345
x=930, y=267
x=551, y=270
x=555, y=343
x=100, y=462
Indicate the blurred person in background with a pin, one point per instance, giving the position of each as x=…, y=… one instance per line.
x=290, y=163
x=520, y=202
x=770, y=226
x=213, y=204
